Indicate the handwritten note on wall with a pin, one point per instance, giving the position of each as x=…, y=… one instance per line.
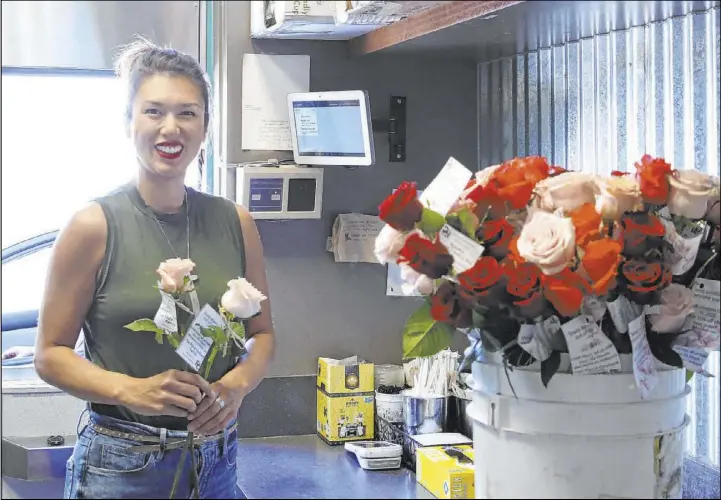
x=267, y=81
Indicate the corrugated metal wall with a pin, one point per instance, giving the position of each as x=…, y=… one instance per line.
x=598, y=105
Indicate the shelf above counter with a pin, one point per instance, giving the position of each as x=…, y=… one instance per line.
x=488, y=30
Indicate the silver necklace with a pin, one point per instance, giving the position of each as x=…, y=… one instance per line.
x=187, y=226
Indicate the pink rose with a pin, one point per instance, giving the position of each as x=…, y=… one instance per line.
x=547, y=240
x=420, y=282
x=566, y=191
x=172, y=274
x=618, y=196
x=676, y=304
x=690, y=193
x=698, y=339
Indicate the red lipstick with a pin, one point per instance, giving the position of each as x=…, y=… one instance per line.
x=169, y=150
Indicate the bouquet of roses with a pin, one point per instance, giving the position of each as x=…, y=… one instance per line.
x=532, y=261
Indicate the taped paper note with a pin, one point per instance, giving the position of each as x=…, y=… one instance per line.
x=354, y=237
x=444, y=190
x=464, y=250
x=623, y=311
x=166, y=318
x=590, y=350
x=644, y=364
x=195, y=346
x=707, y=310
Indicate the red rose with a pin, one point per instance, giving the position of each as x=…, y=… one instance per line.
x=447, y=306
x=402, y=209
x=496, y=236
x=652, y=176
x=643, y=280
x=565, y=291
x=478, y=285
x=641, y=233
x=617, y=173
x=524, y=287
x=425, y=256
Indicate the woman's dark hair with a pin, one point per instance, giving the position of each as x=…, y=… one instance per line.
x=141, y=58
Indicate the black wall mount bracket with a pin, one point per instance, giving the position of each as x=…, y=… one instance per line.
x=395, y=126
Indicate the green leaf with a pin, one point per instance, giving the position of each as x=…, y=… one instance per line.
x=159, y=337
x=424, y=336
x=144, y=325
x=550, y=367
x=689, y=375
x=468, y=222
x=238, y=329
x=174, y=339
x=431, y=222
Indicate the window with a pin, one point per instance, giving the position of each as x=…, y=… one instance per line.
x=63, y=143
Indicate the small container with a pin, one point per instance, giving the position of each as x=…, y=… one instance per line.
x=424, y=415
x=390, y=407
x=390, y=375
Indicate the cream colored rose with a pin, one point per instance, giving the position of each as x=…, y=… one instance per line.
x=618, y=196
x=242, y=299
x=566, y=191
x=676, y=304
x=420, y=282
x=388, y=243
x=172, y=274
x=547, y=240
x=690, y=193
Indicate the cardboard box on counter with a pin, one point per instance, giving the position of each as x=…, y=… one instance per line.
x=447, y=471
x=345, y=400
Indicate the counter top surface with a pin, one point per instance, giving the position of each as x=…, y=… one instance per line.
x=306, y=467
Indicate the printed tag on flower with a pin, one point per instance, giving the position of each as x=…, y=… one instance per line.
x=707, y=310
x=464, y=250
x=444, y=190
x=685, y=253
x=644, y=364
x=532, y=340
x=593, y=307
x=623, y=311
x=591, y=351
x=693, y=358
x=166, y=318
x=195, y=346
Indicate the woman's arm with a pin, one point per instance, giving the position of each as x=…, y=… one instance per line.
x=69, y=290
x=210, y=418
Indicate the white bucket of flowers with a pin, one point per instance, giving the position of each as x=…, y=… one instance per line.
x=586, y=301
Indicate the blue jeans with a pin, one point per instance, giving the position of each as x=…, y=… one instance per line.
x=100, y=466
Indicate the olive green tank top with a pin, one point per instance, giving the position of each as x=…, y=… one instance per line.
x=124, y=292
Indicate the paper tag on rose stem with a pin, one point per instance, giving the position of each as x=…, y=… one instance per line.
x=685, y=253
x=693, y=358
x=167, y=317
x=464, y=250
x=444, y=190
x=195, y=346
x=533, y=343
x=644, y=364
x=593, y=307
x=591, y=351
x=707, y=310
x=623, y=311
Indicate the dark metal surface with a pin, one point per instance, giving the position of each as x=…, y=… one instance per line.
x=537, y=24
x=31, y=459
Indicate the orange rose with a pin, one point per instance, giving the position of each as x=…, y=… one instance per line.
x=653, y=179
x=600, y=263
x=587, y=222
x=513, y=255
x=565, y=291
x=481, y=283
x=512, y=184
x=524, y=288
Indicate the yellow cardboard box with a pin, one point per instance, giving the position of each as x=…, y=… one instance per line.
x=345, y=399
x=446, y=471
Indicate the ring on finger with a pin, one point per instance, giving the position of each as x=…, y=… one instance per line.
x=221, y=403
